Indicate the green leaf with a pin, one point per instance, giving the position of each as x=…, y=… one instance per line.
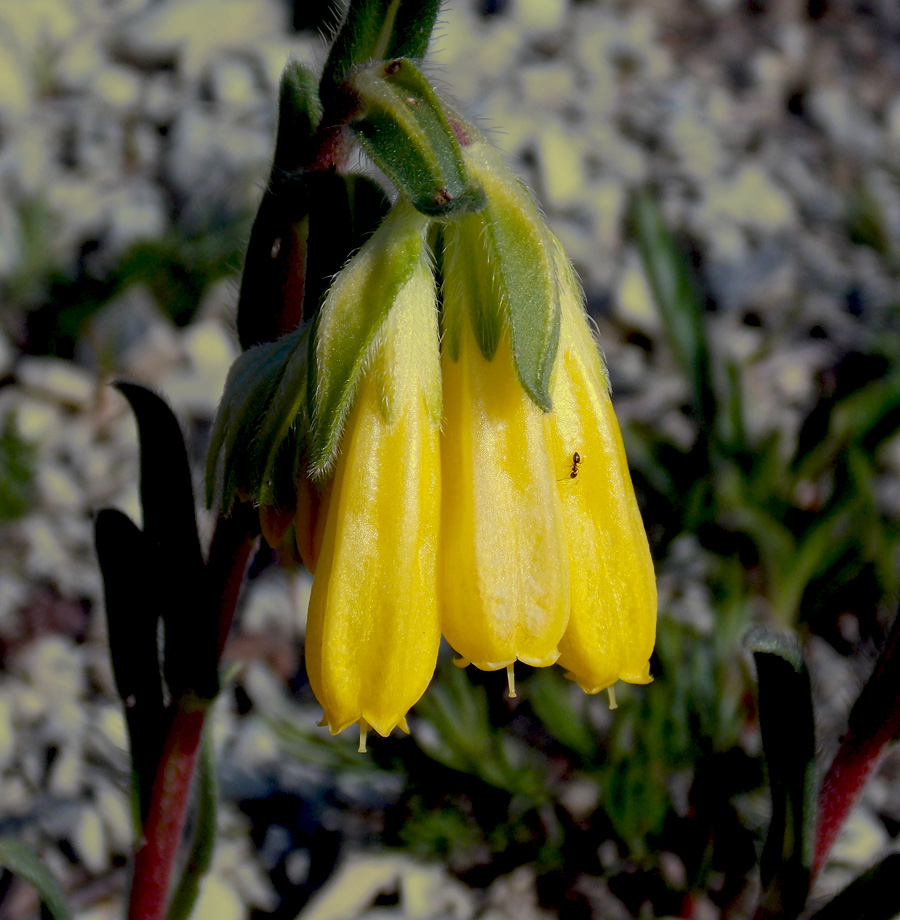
x=401, y=124
x=17, y=464
x=788, y=736
x=21, y=861
x=518, y=269
x=874, y=895
x=353, y=312
x=681, y=310
x=378, y=29
x=174, y=556
x=133, y=608
x=264, y=399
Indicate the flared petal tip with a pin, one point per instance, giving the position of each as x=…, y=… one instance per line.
x=506, y=663
x=592, y=684
x=366, y=723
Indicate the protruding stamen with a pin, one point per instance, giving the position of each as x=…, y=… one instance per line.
x=363, y=731
x=612, y=697
x=511, y=681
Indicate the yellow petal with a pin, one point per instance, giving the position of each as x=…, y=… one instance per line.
x=372, y=631
x=503, y=566
x=612, y=623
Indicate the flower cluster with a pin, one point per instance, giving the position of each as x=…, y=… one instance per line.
x=467, y=473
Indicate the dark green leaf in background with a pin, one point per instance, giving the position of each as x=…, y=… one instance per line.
x=21, y=861
x=788, y=736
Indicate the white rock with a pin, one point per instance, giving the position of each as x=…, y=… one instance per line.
x=196, y=32
x=88, y=840
x=114, y=809
x=540, y=15
x=269, y=607
x=7, y=731
x=634, y=302
x=119, y=88
x=57, y=487
x=66, y=773
x=234, y=84
x=561, y=158
x=218, y=900
x=54, y=665
x=15, y=82
x=197, y=388
x=10, y=256
x=53, y=378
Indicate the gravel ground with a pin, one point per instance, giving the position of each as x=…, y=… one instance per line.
x=771, y=133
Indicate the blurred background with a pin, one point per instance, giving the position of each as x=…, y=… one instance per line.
x=726, y=177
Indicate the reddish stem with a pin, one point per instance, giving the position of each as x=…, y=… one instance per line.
x=159, y=847
x=874, y=721
x=233, y=541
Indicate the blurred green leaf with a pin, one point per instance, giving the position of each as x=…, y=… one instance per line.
x=17, y=468
x=550, y=696
x=464, y=739
x=681, y=309
x=788, y=736
x=21, y=861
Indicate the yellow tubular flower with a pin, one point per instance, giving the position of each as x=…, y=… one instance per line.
x=373, y=632
x=612, y=623
x=503, y=568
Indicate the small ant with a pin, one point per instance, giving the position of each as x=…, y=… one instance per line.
x=576, y=459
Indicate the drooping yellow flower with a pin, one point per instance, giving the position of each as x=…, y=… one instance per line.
x=612, y=621
x=544, y=554
x=503, y=567
x=372, y=630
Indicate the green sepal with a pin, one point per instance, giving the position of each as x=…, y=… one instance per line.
x=378, y=29
x=401, y=124
x=505, y=268
x=263, y=403
x=470, y=286
x=788, y=737
x=351, y=316
x=21, y=861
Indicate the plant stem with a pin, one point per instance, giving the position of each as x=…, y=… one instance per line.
x=874, y=721
x=232, y=543
x=159, y=846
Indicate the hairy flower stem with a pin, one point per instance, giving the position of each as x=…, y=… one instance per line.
x=874, y=721
x=232, y=544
